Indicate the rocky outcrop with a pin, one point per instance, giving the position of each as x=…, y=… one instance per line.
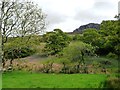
x=83, y=27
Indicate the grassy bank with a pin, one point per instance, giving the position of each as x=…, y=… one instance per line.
x=38, y=80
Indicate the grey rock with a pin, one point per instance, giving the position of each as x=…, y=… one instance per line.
x=83, y=27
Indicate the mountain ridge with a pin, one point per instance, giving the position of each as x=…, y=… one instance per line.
x=83, y=27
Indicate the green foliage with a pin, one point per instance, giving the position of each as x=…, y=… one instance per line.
x=110, y=30
x=117, y=51
x=112, y=55
x=32, y=39
x=77, y=37
x=55, y=41
x=18, y=48
x=74, y=51
x=113, y=82
x=91, y=36
x=19, y=52
x=110, y=27
x=106, y=39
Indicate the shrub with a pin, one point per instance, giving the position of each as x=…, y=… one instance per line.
x=106, y=62
x=20, y=52
x=76, y=50
x=112, y=55
x=18, y=48
x=112, y=82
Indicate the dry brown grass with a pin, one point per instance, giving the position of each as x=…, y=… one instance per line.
x=36, y=66
x=32, y=66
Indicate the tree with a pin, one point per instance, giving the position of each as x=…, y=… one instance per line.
x=91, y=36
x=55, y=41
x=19, y=19
x=77, y=37
x=14, y=49
x=0, y=51
x=117, y=16
x=106, y=39
x=111, y=33
x=77, y=50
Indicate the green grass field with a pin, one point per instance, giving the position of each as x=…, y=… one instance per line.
x=38, y=80
x=0, y=80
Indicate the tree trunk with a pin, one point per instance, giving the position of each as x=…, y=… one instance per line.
x=78, y=67
x=0, y=50
x=3, y=53
x=2, y=37
x=11, y=62
x=82, y=57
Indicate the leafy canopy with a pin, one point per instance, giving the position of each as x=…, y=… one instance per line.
x=55, y=41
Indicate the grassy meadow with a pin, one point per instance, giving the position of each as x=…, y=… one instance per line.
x=38, y=80
x=27, y=79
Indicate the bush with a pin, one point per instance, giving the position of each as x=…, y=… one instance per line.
x=20, y=52
x=112, y=82
x=76, y=50
x=112, y=55
x=18, y=48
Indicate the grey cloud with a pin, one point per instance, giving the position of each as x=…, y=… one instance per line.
x=87, y=16
x=119, y=7
x=55, y=18
x=97, y=13
x=103, y=5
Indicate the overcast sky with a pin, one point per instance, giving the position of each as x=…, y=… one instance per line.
x=70, y=14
